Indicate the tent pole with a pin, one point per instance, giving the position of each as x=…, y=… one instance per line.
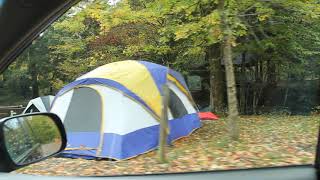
x=101, y=140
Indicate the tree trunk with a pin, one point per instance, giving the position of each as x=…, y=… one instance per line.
x=272, y=78
x=243, y=80
x=163, y=132
x=318, y=93
x=256, y=87
x=233, y=115
x=261, y=70
x=34, y=78
x=216, y=79
x=35, y=86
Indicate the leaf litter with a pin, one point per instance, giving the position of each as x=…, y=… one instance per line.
x=264, y=141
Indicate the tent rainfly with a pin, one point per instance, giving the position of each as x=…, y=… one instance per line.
x=114, y=110
x=39, y=104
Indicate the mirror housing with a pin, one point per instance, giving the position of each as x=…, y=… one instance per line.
x=30, y=138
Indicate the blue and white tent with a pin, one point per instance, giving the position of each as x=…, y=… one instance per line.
x=39, y=104
x=114, y=110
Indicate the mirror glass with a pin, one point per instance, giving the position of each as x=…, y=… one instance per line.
x=30, y=138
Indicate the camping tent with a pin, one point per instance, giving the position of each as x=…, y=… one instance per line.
x=114, y=110
x=39, y=104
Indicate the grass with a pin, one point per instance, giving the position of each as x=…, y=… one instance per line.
x=264, y=141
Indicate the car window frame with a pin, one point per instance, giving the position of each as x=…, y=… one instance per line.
x=34, y=33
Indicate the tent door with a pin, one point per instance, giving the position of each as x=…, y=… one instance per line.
x=85, y=115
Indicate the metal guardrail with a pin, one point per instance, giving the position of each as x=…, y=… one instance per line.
x=11, y=107
x=6, y=111
x=22, y=158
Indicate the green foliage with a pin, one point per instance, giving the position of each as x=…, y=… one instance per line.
x=171, y=32
x=44, y=129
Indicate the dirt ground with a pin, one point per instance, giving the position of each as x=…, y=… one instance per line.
x=264, y=141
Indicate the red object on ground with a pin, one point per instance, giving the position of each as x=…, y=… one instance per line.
x=207, y=116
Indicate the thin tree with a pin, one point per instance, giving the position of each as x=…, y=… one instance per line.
x=233, y=114
x=164, y=131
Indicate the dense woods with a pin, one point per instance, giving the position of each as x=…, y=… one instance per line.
x=270, y=48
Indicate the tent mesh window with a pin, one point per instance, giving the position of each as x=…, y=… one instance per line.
x=32, y=109
x=79, y=117
x=176, y=106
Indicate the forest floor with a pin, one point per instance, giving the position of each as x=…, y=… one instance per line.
x=264, y=141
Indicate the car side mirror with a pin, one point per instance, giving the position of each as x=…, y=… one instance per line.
x=30, y=138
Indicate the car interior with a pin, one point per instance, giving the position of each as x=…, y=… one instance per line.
x=23, y=21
